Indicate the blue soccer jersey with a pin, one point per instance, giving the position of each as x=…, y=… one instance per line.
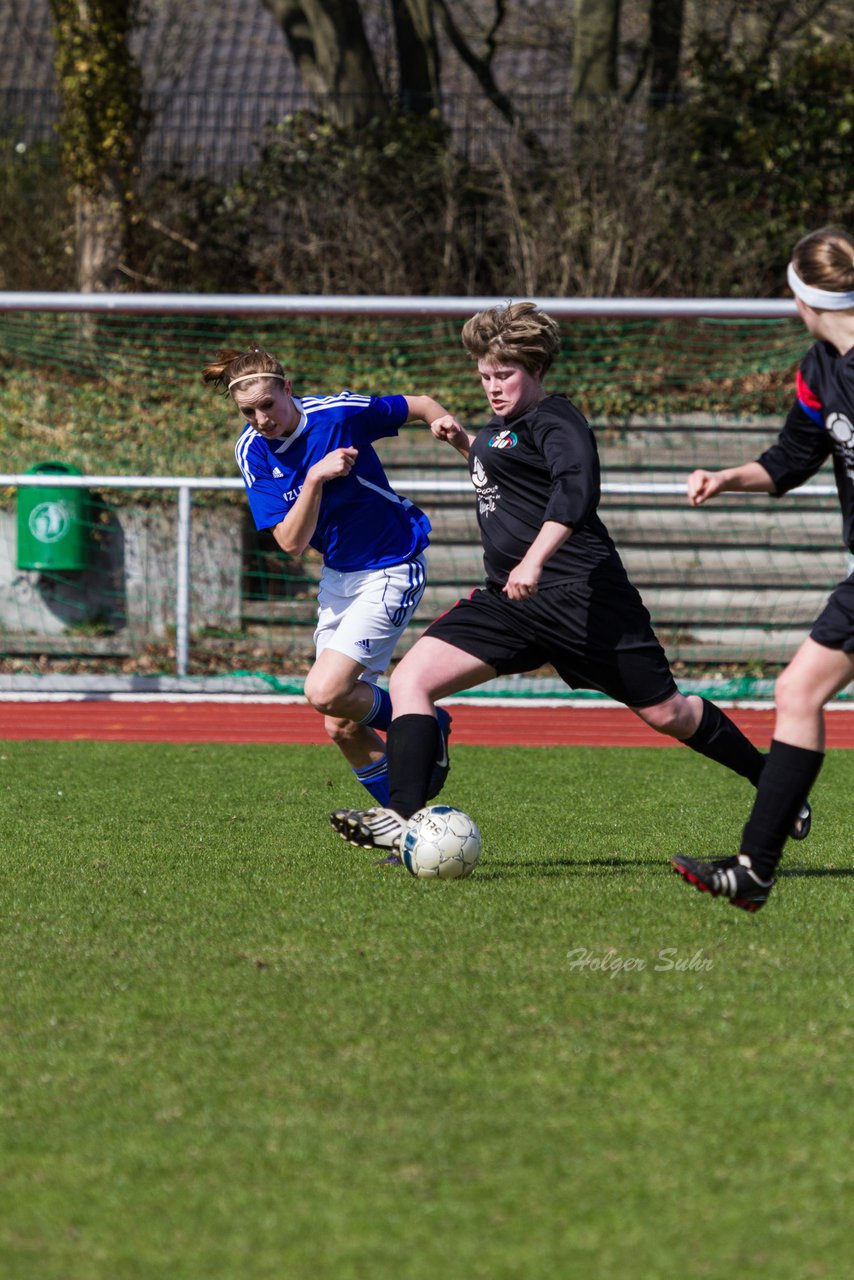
x=362, y=523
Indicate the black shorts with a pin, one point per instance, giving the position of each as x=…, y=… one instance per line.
x=596, y=634
x=834, y=626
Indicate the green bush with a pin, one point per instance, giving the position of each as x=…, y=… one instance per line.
x=703, y=198
x=187, y=237
x=759, y=158
x=36, y=242
x=385, y=209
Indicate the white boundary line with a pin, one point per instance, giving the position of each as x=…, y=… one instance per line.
x=293, y=699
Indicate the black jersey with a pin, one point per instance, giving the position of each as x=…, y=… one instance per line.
x=820, y=425
x=542, y=465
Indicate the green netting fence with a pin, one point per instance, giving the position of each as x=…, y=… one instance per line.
x=732, y=588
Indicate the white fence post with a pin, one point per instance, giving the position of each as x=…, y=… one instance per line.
x=182, y=583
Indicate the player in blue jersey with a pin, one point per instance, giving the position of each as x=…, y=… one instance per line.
x=313, y=478
x=819, y=426
x=556, y=589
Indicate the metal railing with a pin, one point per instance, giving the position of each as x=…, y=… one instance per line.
x=393, y=305
x=186, y=485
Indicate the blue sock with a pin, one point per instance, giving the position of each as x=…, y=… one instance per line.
x=374, y=778
x=379, y=716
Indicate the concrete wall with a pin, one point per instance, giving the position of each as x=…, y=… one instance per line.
x=129, y=586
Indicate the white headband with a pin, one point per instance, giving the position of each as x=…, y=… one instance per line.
x=821, y=299
x=248, y=377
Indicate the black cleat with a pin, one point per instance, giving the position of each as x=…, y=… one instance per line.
x=731, y=878
x=801, y=826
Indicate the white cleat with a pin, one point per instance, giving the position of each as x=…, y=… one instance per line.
x=370, y=828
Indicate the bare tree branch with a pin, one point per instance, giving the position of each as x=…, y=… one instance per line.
x=482, y=70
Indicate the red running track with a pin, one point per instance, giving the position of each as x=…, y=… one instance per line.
x=106, y=720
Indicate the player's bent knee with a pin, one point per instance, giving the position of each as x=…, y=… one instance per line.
x=671, y=726
x=672, y=718
x=325, y=697
x=408, y=683
x=792, y=694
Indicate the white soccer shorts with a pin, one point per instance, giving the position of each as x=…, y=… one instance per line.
x=364, y=614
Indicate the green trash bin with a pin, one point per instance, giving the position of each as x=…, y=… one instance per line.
x=53, y=522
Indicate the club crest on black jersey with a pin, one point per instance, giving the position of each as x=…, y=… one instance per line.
x=504, y=439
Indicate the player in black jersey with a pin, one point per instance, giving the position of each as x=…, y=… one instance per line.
x=556, y=590
x=820, y=425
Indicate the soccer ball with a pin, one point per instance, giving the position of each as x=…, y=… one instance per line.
x=442, y=843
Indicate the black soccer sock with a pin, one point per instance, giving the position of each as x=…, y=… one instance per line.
x=412, y=743
x=786, y=782
x=718, y=738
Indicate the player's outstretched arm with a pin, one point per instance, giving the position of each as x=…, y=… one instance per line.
x=448, y=429
x=425, y=409
x=443, y=425
x=749, y=478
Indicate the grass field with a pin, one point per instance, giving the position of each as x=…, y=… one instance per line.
x=234, y=1048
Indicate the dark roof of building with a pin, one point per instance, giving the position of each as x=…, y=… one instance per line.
x=218, y=70
x=201, y=45
x=231, y=46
